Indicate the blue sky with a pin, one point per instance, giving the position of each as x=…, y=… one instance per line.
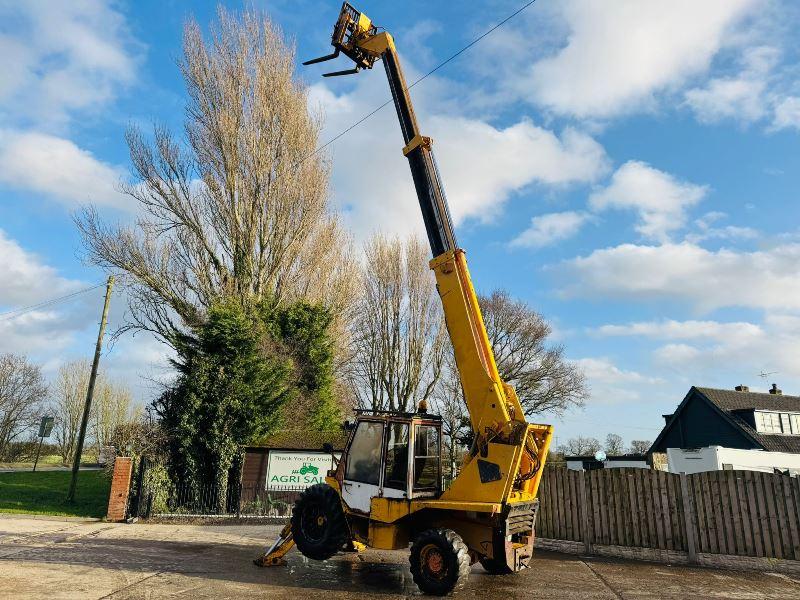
x=629, y=168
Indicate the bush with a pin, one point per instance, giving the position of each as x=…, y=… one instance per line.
x=237, y=372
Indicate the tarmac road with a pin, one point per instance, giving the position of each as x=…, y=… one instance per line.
x=77, y=559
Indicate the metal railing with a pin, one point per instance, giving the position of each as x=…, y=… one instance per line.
x=191, y=500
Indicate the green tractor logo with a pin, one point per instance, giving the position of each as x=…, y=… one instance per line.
x=307, y=469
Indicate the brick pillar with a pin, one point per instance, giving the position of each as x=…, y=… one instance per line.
x=120, y=484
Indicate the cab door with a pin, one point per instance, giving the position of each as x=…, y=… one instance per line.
x=377, y=463
x=362, y=476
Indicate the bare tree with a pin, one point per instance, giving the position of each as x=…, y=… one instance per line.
x=580, y=446
x=112, y=407
x=22, y=391
x=448, y=402
x=239, y=209
x=543, y=379
x=639, y=446
x=614, y=444
x=398, y=332
x=69, y=395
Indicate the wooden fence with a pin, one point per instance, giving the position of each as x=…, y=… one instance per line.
x=743, y=513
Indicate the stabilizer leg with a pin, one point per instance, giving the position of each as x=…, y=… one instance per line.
x=274, y=556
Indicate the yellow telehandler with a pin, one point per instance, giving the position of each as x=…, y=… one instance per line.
x=386, y=491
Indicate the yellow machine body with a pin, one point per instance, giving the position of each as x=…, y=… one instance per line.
x=491, y=502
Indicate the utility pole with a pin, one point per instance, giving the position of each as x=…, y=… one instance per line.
x=90, y=392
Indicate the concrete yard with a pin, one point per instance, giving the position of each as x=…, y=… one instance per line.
x=52, y=559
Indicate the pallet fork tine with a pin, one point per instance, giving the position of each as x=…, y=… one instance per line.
x=273, y=557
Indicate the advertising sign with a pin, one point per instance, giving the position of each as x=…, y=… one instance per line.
x=296, y=468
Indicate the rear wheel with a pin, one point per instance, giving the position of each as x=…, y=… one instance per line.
x=319, y=527
x=439, y=561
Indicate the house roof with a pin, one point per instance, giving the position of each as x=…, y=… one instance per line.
x=730, y=404
x=732, y=401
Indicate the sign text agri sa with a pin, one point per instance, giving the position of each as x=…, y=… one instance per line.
x=297, y=468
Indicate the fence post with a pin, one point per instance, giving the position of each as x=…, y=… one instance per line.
x=584, y=506
x=689, y=518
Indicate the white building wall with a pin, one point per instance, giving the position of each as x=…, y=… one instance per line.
x=715, y=458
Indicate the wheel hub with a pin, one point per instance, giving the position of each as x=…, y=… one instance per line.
x=433, y=561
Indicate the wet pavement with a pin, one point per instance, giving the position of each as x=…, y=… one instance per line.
x=74, y=559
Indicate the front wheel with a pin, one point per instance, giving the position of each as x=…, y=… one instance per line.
x=319, y=527
x=439, y=561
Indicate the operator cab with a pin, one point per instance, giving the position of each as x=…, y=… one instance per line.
x=391, y=455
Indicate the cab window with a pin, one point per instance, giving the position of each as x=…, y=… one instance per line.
x=364, y=457
x=426, y=457
x=395, y=476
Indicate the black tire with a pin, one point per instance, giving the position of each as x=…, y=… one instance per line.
x=495, y=567
x=319, y=526
x=439, y=561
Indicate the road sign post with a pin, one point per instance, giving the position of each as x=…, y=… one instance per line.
x=45, y=429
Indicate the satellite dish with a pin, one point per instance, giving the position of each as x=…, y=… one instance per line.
x=600, y=456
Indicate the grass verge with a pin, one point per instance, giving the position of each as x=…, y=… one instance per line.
x=45, y=492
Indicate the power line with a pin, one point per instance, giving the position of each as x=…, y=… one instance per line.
x=425, y=76
x=11, y=314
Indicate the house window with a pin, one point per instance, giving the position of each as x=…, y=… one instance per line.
x=795, y=422
x=785, y=426
x=768, y=422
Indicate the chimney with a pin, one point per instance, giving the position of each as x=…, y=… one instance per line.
x=774, y=390
x=742, y=388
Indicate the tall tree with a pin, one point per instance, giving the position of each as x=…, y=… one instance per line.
x=580, y=446
x=22, y=391
x=615, y=445
x=448, y=402
x=111, y=408
x=639, y=446
x=398, y=333
x=239, y=208
x=545, y=381
x=69, y=395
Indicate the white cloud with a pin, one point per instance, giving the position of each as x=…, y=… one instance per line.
x=707, y=231
x=787, y=113
x=619, y=54
x=62, y=56
x=25, y=279
x=735, y=350
x=669, y=329
x=481, y=165
x=605, y=371
x=742, y=97
x=706, y=280
x=547, y=229
x=659, y=198
x=57, y=167
x=610, y=385
x=61, y=331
